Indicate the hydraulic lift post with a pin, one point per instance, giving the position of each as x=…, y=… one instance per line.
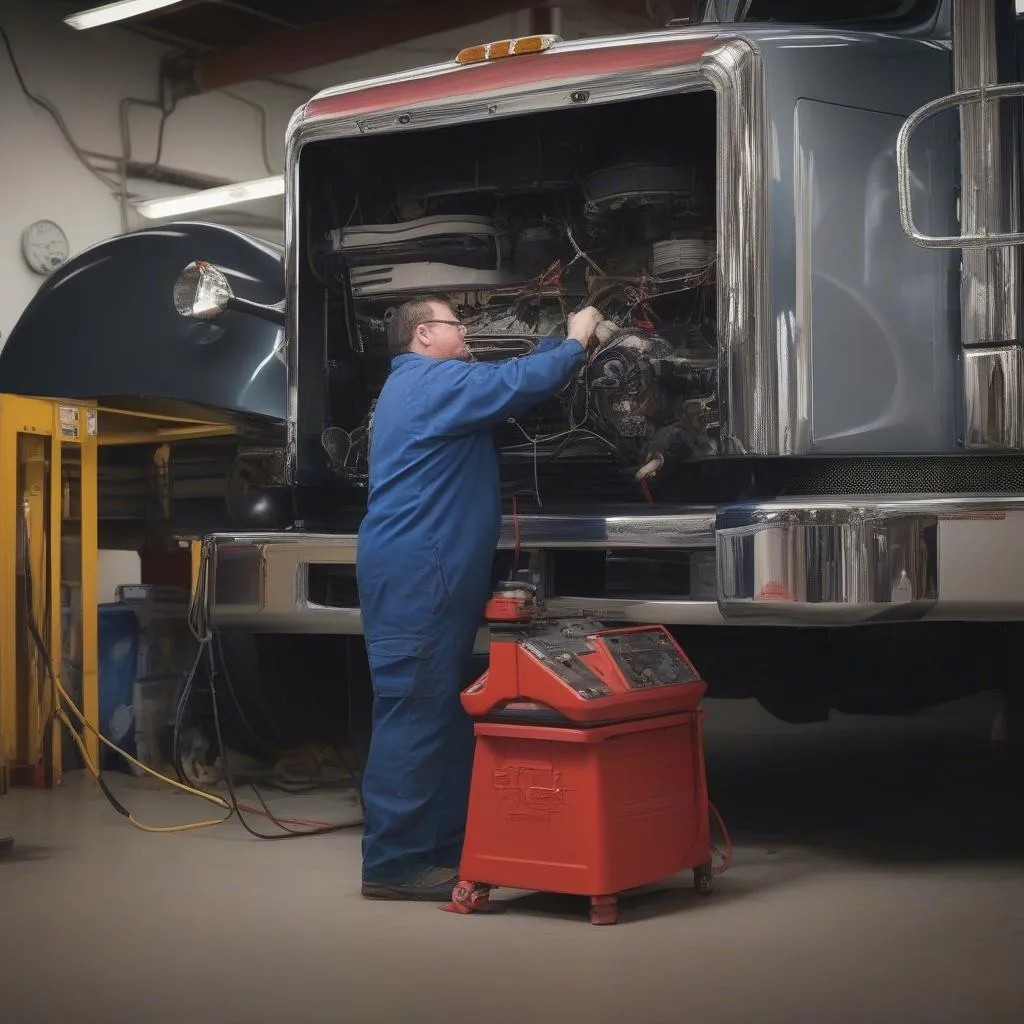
x=48, y=580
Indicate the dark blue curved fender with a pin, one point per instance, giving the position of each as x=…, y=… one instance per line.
x=104, y=325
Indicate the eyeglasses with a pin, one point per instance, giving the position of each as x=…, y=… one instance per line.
x=450, y=323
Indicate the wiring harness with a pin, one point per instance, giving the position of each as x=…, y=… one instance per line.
x=67, y=712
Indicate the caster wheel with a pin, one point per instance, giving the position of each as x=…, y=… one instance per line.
x=604, y=910
x=703, y=881
x=480, y=897
x=468, y=897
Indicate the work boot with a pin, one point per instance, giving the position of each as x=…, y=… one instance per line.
x=6, y=845
x=434, y=885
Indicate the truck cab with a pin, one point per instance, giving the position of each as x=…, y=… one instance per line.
x=807, y=419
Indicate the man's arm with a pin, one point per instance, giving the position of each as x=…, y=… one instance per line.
x=546, y=345
x=579, y=325
x=463, y=397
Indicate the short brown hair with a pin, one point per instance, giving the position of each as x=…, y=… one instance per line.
x=407, y=318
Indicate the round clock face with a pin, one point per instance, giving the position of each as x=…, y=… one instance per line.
x=45, y=246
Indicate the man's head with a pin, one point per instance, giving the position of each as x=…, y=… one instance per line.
x=427, y=327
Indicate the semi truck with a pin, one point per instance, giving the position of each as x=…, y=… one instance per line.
x=803, y=447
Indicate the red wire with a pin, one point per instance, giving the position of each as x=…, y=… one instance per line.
x=647, y=492
x=285, y=821
x=515, y=528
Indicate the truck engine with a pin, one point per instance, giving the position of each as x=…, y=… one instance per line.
x=517, y=225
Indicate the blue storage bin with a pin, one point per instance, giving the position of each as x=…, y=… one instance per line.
x=118, y=669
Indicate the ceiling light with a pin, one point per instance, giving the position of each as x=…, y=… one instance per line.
x=118, y=11
x=211, y=198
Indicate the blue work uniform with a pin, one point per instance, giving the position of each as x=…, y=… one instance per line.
x=425, y=553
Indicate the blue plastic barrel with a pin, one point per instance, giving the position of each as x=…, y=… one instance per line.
x=118, y=664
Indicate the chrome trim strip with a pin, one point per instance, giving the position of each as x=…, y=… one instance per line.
x=756, y=369
x=669, y=613
x=671, y=528
x=291, y=287
x=317, y=620
x=756, y=375
x=694, y=529
x=795, y=329
x=304, y=620
x=853, y=508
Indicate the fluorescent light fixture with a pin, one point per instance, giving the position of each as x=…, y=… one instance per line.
x=109, y=13
x=211, y=198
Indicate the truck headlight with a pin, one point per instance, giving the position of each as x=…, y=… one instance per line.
x=202, y=291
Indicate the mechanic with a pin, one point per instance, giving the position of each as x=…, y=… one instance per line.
x=424, y=561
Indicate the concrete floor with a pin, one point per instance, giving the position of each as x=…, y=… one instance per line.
x=879, y=876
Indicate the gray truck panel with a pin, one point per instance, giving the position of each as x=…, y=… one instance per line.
x=867, y=323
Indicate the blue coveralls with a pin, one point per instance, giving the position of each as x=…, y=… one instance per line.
x=424, y=558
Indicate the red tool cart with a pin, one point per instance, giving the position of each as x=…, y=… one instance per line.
x=588, y=775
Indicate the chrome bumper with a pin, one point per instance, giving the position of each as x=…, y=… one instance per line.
x=801, y=562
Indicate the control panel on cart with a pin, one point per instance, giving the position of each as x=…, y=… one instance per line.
x=578, y=671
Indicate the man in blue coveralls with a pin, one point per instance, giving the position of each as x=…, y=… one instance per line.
x=425, y=552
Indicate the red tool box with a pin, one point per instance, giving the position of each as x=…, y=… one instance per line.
x=588, y=775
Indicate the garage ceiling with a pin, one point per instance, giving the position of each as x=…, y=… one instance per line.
x=215, y=44
x=223, y=42
x=203, y=26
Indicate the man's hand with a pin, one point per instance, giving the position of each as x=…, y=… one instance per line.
x=604, y=332
x=583, y=324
